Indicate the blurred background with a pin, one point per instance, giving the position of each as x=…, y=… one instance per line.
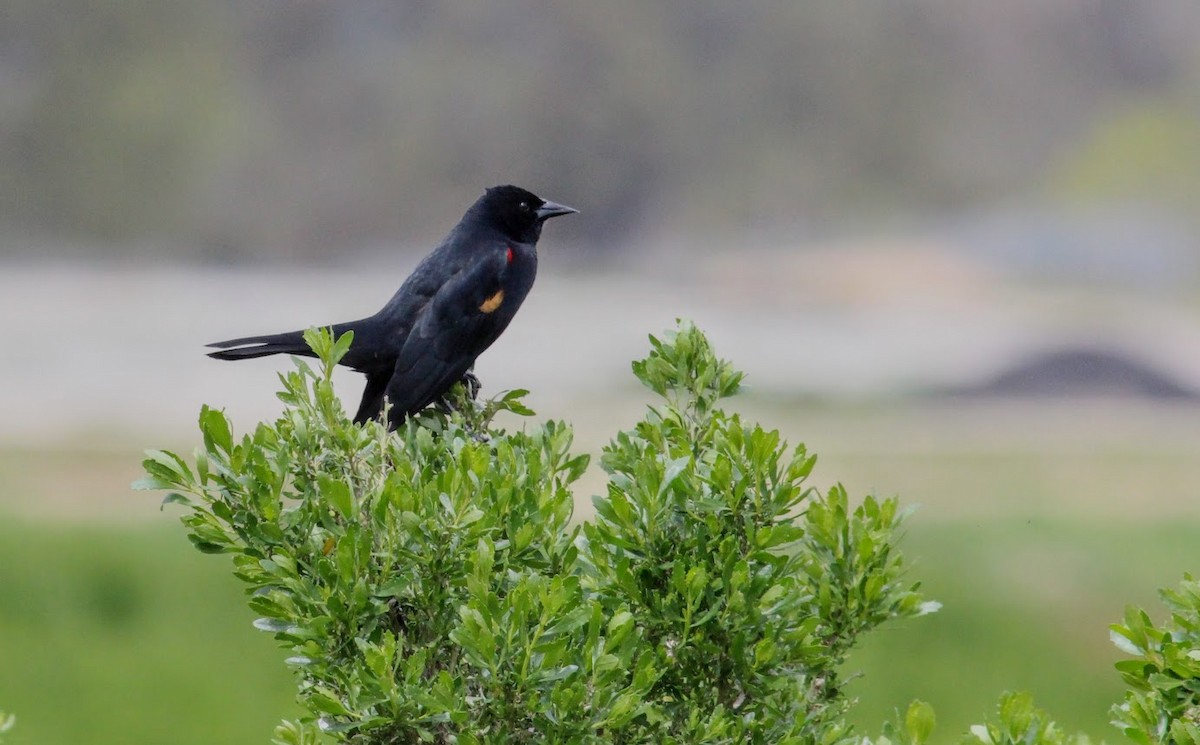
x=954, y=243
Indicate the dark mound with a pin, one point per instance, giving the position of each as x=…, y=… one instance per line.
x=1088, y=372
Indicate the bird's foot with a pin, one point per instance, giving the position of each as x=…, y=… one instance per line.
x=472, y=384
x=450, y=405
x=450, y=402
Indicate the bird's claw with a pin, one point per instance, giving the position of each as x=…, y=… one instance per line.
x=472, y=384
x=472, y=387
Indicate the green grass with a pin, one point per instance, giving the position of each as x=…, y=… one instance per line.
x=1027, y=606
x=128, y=635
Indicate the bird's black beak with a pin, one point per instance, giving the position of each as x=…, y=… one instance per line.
x=552, y=209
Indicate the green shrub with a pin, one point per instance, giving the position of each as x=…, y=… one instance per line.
x=430, y=586
x=1019, y=722
x=1163, y=701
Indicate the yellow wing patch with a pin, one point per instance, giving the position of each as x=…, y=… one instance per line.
x=492, y=303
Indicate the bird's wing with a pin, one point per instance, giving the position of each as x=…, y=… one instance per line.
x=461, y=320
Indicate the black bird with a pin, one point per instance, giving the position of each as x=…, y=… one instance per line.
x=457, y=301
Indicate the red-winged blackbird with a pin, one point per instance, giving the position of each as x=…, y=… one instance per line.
x=456, y=302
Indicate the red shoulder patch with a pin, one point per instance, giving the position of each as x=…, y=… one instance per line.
x=509, y=256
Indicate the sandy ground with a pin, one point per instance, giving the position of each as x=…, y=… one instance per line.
x=89, y=351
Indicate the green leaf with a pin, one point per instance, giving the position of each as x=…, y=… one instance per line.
x=1122, y=642
x=150, y=483
x=341, y=347
x=273, y=625
x=919, y=722
x=673, y=471
x=167, y=467
x=216, y=431
x=324, y=700
x=337, y=493
x=511, y=401
x=176, y=498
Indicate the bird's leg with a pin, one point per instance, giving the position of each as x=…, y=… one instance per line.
x=471, y=383
x=449, y=404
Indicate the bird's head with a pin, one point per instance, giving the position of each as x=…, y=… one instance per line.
x=519, y=214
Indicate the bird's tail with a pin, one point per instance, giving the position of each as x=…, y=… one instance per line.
x=250, y=347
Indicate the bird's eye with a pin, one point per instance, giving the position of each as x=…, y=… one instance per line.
x=524, y=206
